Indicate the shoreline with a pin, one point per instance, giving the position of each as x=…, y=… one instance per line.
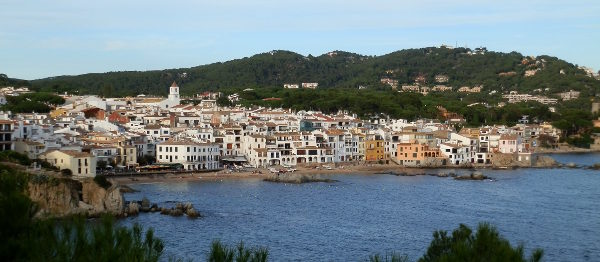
x=374, y=169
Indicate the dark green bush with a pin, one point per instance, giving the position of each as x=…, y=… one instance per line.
x=484, y=245
x=102, y=181
x=12, y=156
x=240, y=253
x=23, y=238
x=66, y=172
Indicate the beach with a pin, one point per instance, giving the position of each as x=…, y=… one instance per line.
x=261, y=173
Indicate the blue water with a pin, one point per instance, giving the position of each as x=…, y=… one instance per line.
x=557, y=210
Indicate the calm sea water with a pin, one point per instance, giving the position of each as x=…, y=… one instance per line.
x=554, y=209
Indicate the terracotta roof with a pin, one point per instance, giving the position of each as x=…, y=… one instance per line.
x=174, y=84
x=72, y=153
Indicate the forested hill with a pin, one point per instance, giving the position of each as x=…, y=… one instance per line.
x=6, y=81
x=338, y=69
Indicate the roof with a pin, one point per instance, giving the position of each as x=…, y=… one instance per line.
x=174, y=84
x=508, y=137
x=72, y=153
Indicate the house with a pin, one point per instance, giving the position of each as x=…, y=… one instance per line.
x=416, y=154
x=375, y=149
x=6, y=132
x=310, y=85
x=290, y=86
x=192, y=155
x=30, y=148
x=457, y=153
x=509, y=143
x=80, y=163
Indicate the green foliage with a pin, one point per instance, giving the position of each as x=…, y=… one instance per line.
x=39, y=102
x=23, y=238
x=6, y=81
x=484, y=245
x=223, y=101
x=146, y=160
x=576, y=126
x=240, y=253
x=339, y=70
x=102, y=164
x=392, y=257
x=66, y=172
x=45, y=164
x=102, y=181
x=582, y=141
x=14, y=157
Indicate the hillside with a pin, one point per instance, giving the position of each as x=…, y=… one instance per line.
x=338, y=69
x=6, y=81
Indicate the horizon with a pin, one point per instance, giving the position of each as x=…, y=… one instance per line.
x=40, y=40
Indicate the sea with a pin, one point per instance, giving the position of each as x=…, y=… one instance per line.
x=557, y=210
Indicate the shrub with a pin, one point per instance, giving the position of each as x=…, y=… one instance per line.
x=393, y=257
x=66, y=172
x=15, y=157
x=240, y=253
x=23, y=238
x=102, y=181
x=484, y=245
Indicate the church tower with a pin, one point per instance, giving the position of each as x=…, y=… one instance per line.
x=174, y=92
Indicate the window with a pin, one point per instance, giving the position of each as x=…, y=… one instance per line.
x=175, y=149
x=86, y=162
x=160, y=149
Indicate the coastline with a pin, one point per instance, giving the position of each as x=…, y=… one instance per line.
x=349, y=169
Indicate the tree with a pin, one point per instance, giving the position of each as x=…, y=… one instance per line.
x=66, y=172
x=101, y=164
x=484, y=245
x=23, y=238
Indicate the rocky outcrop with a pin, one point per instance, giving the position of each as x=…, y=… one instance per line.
x=297, y=179
x=59, y=197
x=54, y=197
x=477, y=175
x=544, y=161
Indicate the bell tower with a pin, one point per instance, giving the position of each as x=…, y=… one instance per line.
x=174, y=91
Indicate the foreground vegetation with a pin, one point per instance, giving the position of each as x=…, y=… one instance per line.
x=25, y=238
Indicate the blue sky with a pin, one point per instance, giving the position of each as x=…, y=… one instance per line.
x=48, y=38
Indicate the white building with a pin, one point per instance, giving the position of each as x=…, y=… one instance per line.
x=457, y=153
x=192, y=155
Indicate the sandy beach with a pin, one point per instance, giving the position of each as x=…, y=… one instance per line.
x=261, y=173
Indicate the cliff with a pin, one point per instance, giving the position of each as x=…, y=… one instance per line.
x=58, y=197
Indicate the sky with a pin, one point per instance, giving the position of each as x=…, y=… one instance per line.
x=43, y=38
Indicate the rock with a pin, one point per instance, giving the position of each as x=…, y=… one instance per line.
x=154, y=208
x=179, y=206
x=192, y=213
x=571, y=165
x=133, y=208
x=145, y=202
x=164, y=211
x=442, y=175
x=477, y=175
x=187, y=206
x=176, y=212
x=145, y=205
x=596, y=166
x=58, y=197
x=545, y=161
